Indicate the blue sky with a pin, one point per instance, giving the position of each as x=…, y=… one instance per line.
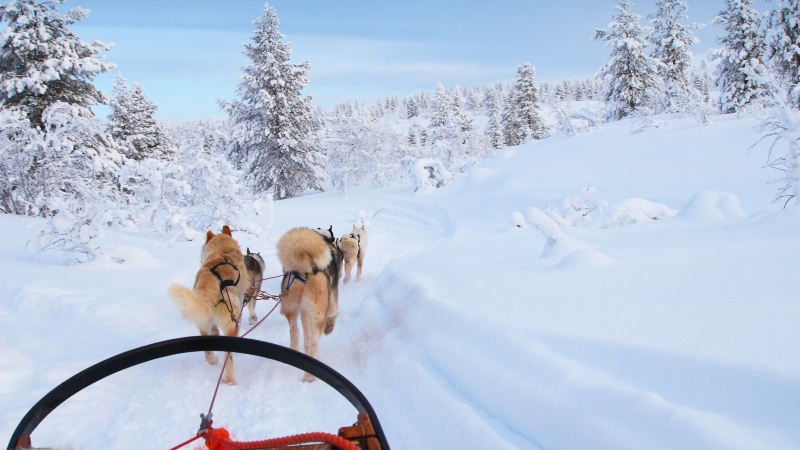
x=188, y=54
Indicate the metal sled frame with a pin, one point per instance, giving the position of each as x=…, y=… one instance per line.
x=162, y=349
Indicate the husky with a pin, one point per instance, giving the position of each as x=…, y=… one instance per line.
x=353, y=247
x=311, y=264
x=255, y=271
x=215, y=301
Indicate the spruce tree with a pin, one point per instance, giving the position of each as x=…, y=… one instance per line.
x=740, y=57
x=494, y=131
x=671, y=40
x=441, y=107
x=56, y=157
x=274, y=132
x=520, y=118
x=132, y=124
x=527, y=102
x=783, y=46
x=514, y=130
x=43, y=62
x=634, y=83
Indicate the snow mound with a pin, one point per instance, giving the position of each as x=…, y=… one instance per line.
x=635, y=210
x=559, y=244
x=130, y=256
x=712, y=205
x=585, y=259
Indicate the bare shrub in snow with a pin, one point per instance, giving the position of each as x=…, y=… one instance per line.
x=576, y=210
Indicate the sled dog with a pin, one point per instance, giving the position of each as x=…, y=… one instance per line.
x=310, y=288
x=354, y=247
x=255, y=272
x=215, y=301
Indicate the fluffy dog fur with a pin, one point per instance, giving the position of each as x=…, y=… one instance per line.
x=310, y=288
x=255, y=271
x=353, y=247
x=213, y=303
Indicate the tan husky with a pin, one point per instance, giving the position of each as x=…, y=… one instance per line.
x=215, y=301
x=310, y=287
x=353, y=247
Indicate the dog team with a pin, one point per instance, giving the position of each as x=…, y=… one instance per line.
x=312, y=261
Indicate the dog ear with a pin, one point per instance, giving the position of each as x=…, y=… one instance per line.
x=226, y=230
x=248, y=250
x=209, y=235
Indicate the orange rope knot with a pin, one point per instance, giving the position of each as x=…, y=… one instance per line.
x=216, y=439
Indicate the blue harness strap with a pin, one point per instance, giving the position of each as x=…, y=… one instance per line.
x=293, y=276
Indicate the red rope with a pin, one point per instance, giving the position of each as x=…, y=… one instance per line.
x=219, y=439
x=185, y=443
x=263, y=318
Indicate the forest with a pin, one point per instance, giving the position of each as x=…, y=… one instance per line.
x=86, y=173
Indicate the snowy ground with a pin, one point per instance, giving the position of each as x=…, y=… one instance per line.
x=467, y=331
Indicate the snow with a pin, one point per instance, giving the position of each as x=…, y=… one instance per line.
x=674, y=329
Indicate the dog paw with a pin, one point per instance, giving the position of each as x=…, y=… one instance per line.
x=308, y=378
x=328, y=327
x=230, y=381
x=346, y=280
x=212, y=359
x=253, y=319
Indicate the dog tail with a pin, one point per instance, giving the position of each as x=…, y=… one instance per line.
x=303, y=250
x=191, y=307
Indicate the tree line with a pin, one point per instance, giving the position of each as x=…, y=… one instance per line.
x=85, y=174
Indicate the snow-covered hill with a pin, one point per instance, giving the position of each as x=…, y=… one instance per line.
x=485, y=318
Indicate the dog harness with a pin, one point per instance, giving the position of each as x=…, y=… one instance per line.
x=292, y=276
x=224, y=284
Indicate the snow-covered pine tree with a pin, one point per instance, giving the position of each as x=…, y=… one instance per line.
x=564, y=91
x=633, y=80
x=273, y=130
x=56, y=157
x=527, y=102
x=671, y=40
x=783, y=46
x=514, y=129
x=412, y=138
x=743, y=50
x=520, y=117
x=441, y=107
x=494, y=131
x=132, y=124
x=43, y=62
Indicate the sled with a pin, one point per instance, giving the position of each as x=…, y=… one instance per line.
x=365, y=434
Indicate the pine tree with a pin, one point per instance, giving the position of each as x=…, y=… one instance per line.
x=132, y=124
x=633, y=78
x=56, y=158
x=743, y=50
x=527, y=102
x=274, y=132
x=42, y=62
x=520, y=118
x=783, y=46
x=494, y=129
x=514, y=130
x=671, y=41
x=412, y=138
x=441, y=107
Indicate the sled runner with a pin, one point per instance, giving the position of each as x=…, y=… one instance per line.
x=366, y=434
